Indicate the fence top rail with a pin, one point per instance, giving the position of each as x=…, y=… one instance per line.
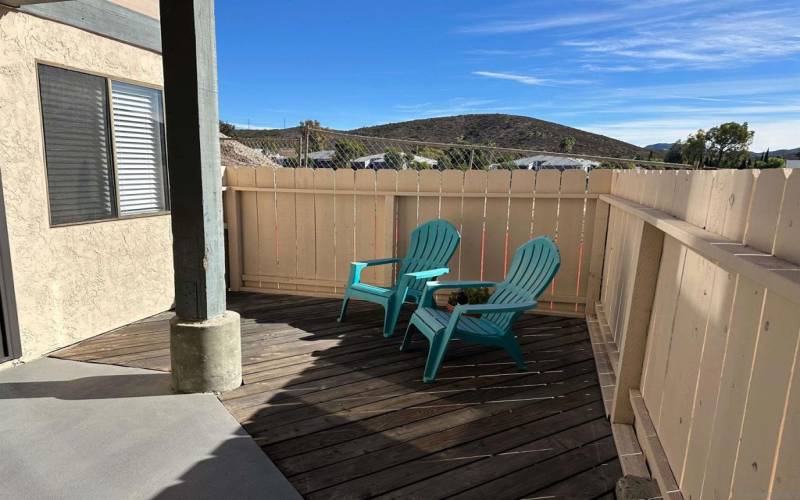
x=508, y=150
x=775, y=274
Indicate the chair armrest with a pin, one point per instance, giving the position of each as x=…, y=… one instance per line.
x=487, y=308
x=462, y=309
x=432, y=286
x=430, y=273
x=357, y=267
x=376, y=262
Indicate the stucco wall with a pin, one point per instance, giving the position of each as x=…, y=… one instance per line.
x=146, y=7
x=77, y=281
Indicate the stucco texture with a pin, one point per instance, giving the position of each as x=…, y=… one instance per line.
x=76, y=281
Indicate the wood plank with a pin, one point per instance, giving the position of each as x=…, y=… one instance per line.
x=496, y=229
x=234, y=228
x=344, y=224
x=285, y=226
x=305, y=228
x=366, y=223
x=324, y=224
x=430, y=181
x=450, y=210
x=774, y=273
x=656, y=457
x=472, y=226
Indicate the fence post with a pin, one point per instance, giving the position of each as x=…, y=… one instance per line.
x=633, y=333
x=599, y=183
x=234, y=238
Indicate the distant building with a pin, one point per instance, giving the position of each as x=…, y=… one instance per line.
x=539, y=162
x=378, y=161
x=321, y=159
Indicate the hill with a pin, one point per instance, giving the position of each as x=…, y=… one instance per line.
x=507, y=131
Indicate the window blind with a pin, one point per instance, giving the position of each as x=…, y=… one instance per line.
x=74, y=114
x=139, y=148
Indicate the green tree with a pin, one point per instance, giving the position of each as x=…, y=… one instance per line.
x=773, y=162
x=728, y=143
x=566, y=144
x=394, y=158
x=345, y=151
x=311, y=133
x=226, y=128
x=674, y=153
x=694, y=149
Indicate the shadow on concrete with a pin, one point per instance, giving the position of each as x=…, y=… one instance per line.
x=98, y=387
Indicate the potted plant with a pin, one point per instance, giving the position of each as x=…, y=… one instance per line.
x=468, y=296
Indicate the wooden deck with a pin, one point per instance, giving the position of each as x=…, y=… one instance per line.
x=344, y=414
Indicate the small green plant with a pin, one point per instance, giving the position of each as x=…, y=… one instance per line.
x=469, y=296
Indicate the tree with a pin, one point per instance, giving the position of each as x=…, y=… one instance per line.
x=566, y=144
x=773, y=162
x=311, y=132
x=694, y=149
x=727, y=143
x=394, y=158
x=345, y=151
x=674, y=154
x=226, y=128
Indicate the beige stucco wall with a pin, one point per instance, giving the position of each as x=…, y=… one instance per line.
x=77, y=281
x=146, y=7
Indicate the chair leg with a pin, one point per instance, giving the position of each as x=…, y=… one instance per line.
x=512, y=347
x=407, y=337
x=390, y=320
x=436, y=354
x=345, y=301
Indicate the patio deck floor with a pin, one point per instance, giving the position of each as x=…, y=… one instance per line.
x=344, y=414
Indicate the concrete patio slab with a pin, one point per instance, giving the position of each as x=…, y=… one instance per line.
x=81, y=430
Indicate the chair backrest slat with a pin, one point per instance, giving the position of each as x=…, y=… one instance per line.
x=431, y=247
x=534, y=265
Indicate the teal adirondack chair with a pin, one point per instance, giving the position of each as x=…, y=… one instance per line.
x=532, y=270
x=432, y=245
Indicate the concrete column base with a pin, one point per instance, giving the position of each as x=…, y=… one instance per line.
x=206, y=355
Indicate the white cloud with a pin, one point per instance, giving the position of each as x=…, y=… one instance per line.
x=772, y=134
x=528, y=80
x=526, y=26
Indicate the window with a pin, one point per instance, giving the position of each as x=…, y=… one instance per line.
x=104, y=147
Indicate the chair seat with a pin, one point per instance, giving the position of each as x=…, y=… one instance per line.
x=372, y=289
x=437, y=319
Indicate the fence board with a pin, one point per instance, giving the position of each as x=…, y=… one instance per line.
x=496, y=231
x=545, y=211
x=472, y=230
x=673, y=416
x=324, y=217
x=246, y=176
x=769, y=383
x=385, y=230
x=430, y=181
x=407, y=220
x=285, y=226
x=450, y=210
x=520, y=211
x=365, y=222
x=570, y=235
x=767, y=196
x=344, y=223
x=305, y=228
x=787, y=240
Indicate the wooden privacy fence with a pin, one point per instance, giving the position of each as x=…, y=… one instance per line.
x=698, y=327
x=297, y=230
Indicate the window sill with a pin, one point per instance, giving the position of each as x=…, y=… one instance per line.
x=112, y=219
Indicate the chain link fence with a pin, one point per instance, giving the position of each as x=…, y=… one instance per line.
x=320, y=148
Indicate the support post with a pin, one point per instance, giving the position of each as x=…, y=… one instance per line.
x=205, y=340
x=641, y=295
x=597, y=257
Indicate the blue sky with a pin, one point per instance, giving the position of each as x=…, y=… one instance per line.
x=644, y=72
